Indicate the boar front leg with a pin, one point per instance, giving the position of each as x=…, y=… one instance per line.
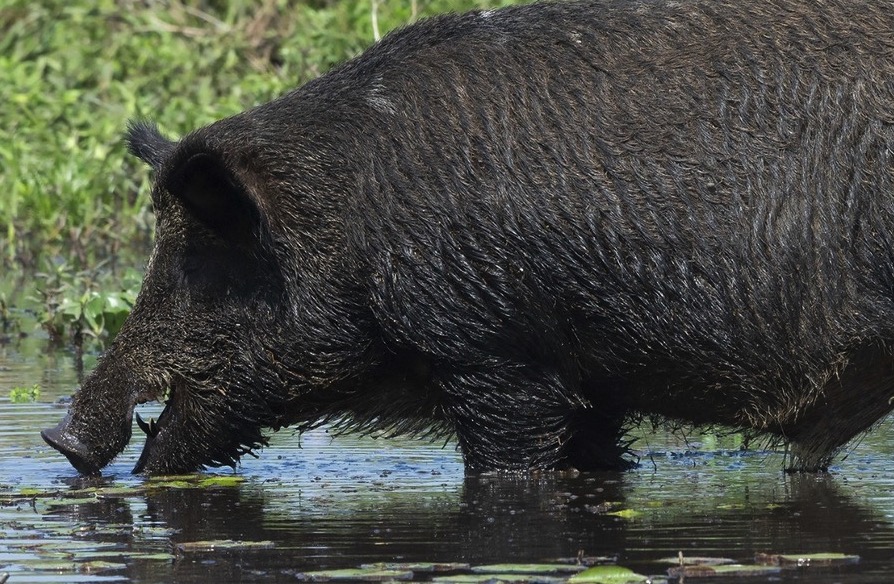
x=512, y=417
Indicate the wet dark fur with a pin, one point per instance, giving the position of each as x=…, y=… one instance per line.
x=521, y=226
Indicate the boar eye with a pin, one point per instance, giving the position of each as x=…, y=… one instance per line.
x=203, y=279
x=210, y=272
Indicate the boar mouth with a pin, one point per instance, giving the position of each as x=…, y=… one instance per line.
x=99, y=421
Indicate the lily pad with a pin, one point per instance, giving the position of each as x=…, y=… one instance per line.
x=31, y=492
x=72, y=497
x=729, y=570
x=527, y=569
x=172, y=484
x=588, y=560
x=355, y=574
x=625, y=513
x=70, y=547
x=73, y=501
x=120, y=492
x=161, y=480
x=220, y=545
x=607, y=575
x=91, y=567
x=196, y=481
x=498, y=579
x=425, y=567
x=696, y=561
x=49, y=566
x=221, y=481
x=806, y=560
x=99, y=566
x=159, y=556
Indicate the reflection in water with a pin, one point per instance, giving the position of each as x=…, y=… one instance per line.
x=350, y=515
x=340, y=502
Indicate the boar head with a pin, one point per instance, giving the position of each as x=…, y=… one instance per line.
x=213, y=329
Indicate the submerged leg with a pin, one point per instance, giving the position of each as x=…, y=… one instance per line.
x=597, y=441
x=519, y=418
x=852, y=400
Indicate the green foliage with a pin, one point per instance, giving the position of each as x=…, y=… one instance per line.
x=96, y=313
x=74, y=72
x=74, y=304
x=21, y=395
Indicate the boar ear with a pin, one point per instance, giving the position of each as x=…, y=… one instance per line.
x=216, y=197
x=146, y=143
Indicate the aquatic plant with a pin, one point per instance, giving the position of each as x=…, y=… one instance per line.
x=19, y=395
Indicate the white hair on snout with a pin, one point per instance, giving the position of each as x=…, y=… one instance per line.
x=377, y=97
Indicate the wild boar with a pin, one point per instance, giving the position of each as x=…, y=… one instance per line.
x=523, y=228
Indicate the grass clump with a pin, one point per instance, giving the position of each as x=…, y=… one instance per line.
x=75, y=71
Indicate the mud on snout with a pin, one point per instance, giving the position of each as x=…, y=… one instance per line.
x=98, y=424
x=198, y=428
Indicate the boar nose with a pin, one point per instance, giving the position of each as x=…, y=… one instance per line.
x=74, y=450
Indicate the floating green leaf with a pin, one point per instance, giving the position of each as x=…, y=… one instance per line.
x=806, y=560
x=426, y=567
x=355, y=574
x=730, y=570
x=625, y=513
x=21, y=395
x=31, y=492
x=90, y=567
x=71, y=501
x=221, y=481
x=682, y=560
x=120, y=492
x=173, y=484
x=99, y=566
x=527, y=569
x=607, y=575
x=498, y=579
x=221, y=545
x=196, y=481
x=588, y=560
x=159, y=556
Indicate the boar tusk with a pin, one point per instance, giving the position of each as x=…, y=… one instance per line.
x=151, y=429
x=142, y=424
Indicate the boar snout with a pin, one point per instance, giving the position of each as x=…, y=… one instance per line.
x=81, y=456
x=98, y=424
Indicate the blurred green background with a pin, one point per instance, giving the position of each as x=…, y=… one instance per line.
x=74, y=71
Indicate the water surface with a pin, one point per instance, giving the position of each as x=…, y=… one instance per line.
x=320, y=501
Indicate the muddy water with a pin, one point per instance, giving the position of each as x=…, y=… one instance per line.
x=336, y=502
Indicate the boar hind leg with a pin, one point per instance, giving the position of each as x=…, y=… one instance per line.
x=517, y=418
x=598, y=431
x=855, y=397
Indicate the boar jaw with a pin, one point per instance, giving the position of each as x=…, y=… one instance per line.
x=195, y=431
